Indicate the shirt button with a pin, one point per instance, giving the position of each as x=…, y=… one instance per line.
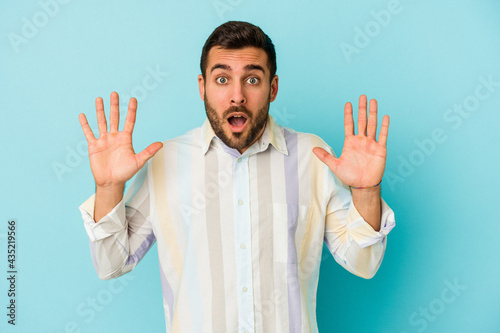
x=240, y=202
x=243, y=246
x=245, y=289
x=239, y=159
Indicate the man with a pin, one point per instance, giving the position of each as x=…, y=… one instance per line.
x=240, y=206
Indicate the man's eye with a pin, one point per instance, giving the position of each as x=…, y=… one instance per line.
x=221, y=80
x=253, y=80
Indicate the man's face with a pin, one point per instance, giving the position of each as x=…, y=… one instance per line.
x=237, y=92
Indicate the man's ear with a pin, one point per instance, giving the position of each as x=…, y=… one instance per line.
x=274, y=88
x=201, y=85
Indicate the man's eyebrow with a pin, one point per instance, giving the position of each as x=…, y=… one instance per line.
x=252, y=67
x=246, y=68
x=221, y=66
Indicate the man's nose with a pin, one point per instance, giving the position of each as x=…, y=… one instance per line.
x=237, y=94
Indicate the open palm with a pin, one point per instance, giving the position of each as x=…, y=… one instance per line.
x=362, y=162
x=112, y=158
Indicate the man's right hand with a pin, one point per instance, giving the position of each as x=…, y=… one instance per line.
x=112, y=157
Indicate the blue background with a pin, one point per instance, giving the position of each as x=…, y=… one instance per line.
x=419, y=63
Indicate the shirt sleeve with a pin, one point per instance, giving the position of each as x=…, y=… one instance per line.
x=121, y=238
x=352, y=241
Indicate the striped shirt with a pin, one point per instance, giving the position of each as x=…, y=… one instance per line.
x=239, y=236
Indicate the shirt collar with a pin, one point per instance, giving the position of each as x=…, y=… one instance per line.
x=273, y=134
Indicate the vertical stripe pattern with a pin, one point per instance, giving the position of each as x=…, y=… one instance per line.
x=266, y=247
x=239, y=235
x=292, y=198
x=214, y=237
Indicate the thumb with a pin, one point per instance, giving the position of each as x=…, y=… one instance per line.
x=326, y=158
x=147, y=153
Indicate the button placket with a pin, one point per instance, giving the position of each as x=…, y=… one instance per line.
x=243, y=238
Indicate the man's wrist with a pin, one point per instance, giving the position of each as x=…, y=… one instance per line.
x=365, y=187
x=366, y=190
x=368, y=203
x=106, y=198
x=110, y=188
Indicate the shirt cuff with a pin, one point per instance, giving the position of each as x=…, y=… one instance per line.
x=110, y=224
x=362, y=232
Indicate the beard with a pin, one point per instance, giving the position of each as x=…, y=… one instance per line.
x=243, y=139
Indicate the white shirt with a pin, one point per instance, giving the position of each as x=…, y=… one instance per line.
x=239, y=235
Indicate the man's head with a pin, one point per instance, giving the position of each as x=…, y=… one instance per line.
x=238, y=82
x=235, y=35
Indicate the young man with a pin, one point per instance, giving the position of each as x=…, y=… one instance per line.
x=240, y=206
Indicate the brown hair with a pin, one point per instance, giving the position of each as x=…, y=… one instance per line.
x=237, y=35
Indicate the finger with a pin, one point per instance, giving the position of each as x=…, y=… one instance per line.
x=326, y=158
x=147, y=153
x=101, y=118
x=89, y=135
x=372, y=120
x=114, y=113
x=362, y=115
x=348, y=120
x=130, y=120
x=384, y=131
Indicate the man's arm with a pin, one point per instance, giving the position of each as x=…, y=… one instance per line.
x=106, y=198
x=119, y=236
x=368, y=203
x=353, y=242
x=362, y=163
x=122, y=237
x=357, y=219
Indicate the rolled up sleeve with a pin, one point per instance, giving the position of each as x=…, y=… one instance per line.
x=352, y=241
x=109, y=225
x=121, y=238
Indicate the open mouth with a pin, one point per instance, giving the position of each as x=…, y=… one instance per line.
x=237, y=122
